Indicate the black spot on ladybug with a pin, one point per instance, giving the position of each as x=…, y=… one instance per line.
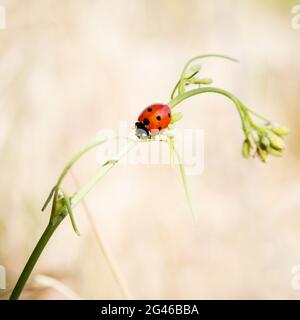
x=169, y=115
x=149, y=109
x=146, y=121
x=159, y=128
x=158, y=118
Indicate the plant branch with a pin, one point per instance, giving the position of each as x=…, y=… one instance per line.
x=179, y=84
x=60, y=208
x=267, y=139
x=102, y=172
x=173, y=103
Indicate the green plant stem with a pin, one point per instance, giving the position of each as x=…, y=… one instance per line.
x=102, y=172
x=51, y=227
x=184, y=179
x=60, y=213
x=62, y=204
x=69, y=165
x=173, y=103
x=179, y=84
x=212, y=55
x=256, y=114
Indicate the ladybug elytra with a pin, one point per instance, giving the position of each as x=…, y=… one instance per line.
x=153, y=119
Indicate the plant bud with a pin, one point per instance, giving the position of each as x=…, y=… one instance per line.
x=176, y=117
x=262, y=154
x=194, y=69
x=276, y=141
x=274, y=152
x=204, y=81
x=246, y=149
x=281, y=131
x=264, y=142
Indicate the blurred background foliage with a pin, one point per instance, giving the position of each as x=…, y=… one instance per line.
x=69, y=68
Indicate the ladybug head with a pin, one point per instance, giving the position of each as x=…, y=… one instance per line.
x=141, y=130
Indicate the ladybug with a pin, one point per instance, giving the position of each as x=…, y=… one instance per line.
x=153, y=119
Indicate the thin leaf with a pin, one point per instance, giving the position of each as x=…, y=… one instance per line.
x=70, y=211
x=49, y=198
x=185, y=183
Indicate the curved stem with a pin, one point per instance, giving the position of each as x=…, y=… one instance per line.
x=51, y=227
x=68, y=166
x=175, y=88
x=102, y=172
x=206, y=56
x=257, y=115
x=197, y=58
x=173, y=103
x=76, y=157
x=179, y=81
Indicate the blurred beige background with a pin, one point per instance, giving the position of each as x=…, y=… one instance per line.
x=70, y=68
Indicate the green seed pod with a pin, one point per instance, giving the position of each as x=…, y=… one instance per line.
x=276, y=141
x=281, y=131
x=204, y=81
x=246, y=149
x=262, y=154
x=176, y=117
x=274, y=152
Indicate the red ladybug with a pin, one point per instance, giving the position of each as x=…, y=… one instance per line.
x=153, y=119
